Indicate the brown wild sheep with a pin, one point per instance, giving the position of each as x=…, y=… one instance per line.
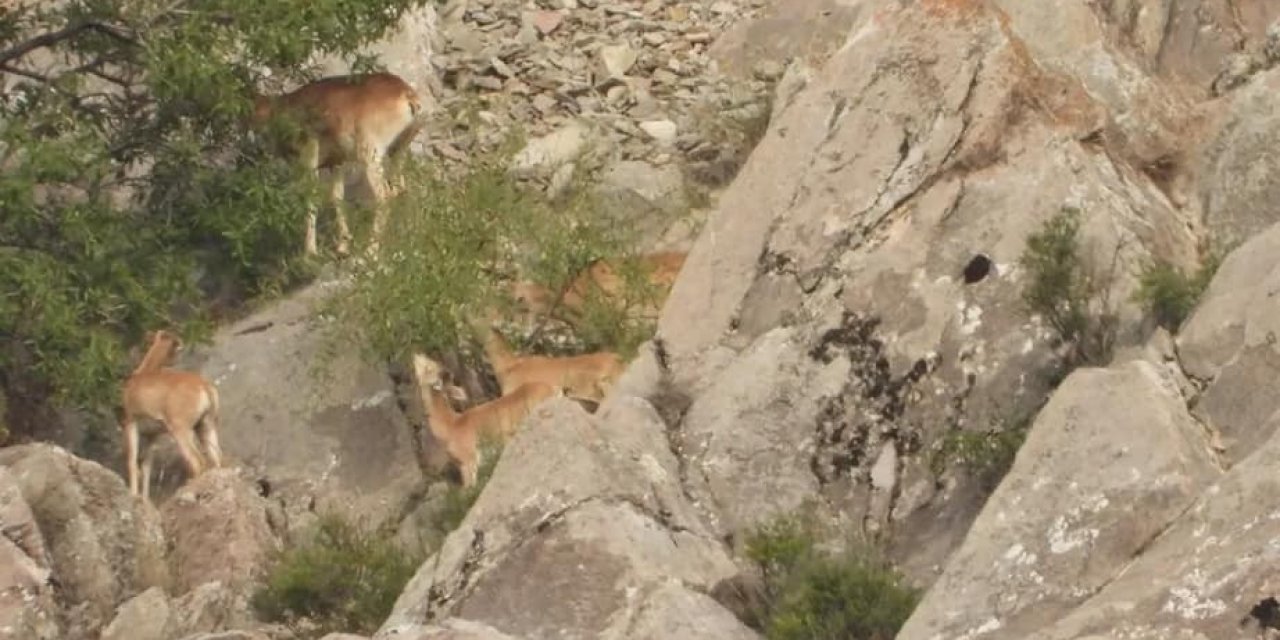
x=184, y=402
x=460, y=433
x=586, y=376
x=347, y=120
x=602, y=279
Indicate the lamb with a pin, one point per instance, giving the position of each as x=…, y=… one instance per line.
x=587, y=376
x=184, y=402
x=460, y=433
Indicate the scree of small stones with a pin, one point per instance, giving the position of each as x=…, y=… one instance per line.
x=638, y=73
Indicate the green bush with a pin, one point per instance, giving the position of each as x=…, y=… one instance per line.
x=809, y=594
x=1168, y=294
x=452, y=244
x=343, y=579
x=1068, y=291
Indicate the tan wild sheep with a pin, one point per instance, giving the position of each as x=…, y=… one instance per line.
x=588, y=376
x=460, y=433
x=184, y=402
x=356, y=120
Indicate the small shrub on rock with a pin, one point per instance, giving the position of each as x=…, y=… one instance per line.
x=1169, y=294
x=344, y=579
x=809, y=593
x=1068, y=291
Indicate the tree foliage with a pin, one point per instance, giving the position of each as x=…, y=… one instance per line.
x=126, y=186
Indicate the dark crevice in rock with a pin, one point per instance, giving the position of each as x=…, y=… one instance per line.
x=978, y=268
x=1266, y=612
x=672, y=404
x=440, y=596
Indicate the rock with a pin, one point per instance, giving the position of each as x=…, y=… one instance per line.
x=103, y=545
x=219, y=531
x=335, y=442
x=1208, y=576
x=1229, y=343
x=662, y=131
x=1272, y=48
x=809, y=29
x=231, y=635
x=1236, y=168
x=143, y=617
x=448, y=629
x=1062, y=525
x=831, y=271
x=1237, y=68
x=617, y=59
x=542, y=156
x=642, y=197
x=28, y=610
x=546, y=21
x=605, y=527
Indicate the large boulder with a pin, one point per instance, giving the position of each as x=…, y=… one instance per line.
x=824, y=327
x=1238, y=176
x=1062, y=526
x=220, y=530
x=1229, y=343
x=103, y=544
x=1210, y=575
x=27, y=607
x=589, y=508
x=154, y=615
x=318, y=439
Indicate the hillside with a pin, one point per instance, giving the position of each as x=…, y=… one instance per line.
x=867, y=192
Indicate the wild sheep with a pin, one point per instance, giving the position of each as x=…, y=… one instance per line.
x=601, y=278
x=184, y=402
x=460, y=433
x=347, y=120
x=586, y=376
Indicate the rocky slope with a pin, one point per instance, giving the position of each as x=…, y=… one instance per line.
x=852, y=298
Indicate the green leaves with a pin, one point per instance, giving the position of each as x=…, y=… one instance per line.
x=810, y=593
x=126, y=184
x=449, y=243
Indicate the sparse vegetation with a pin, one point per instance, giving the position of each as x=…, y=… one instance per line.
x=1068, y=291
x=988, y=455
x=1169, y=294
x=809, y=593
x=453, y=242
x=343, y=579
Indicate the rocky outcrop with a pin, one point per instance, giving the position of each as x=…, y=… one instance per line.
x=1174, y=529
x=207, y=609
x=28, y=610
x=590, y=509
x=823, y=325
x=1061, y=527
x=103, y=545
x=1229, y=343
x=316, y=439
x=1237, y=169
x=220, y=530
